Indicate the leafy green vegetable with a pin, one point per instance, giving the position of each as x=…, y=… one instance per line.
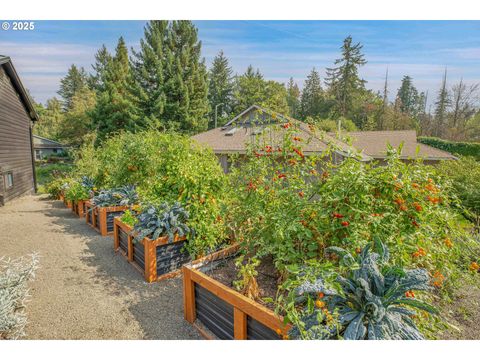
x=376, y=301
x=156, y=221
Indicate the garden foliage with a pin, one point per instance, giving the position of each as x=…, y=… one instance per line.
x=14, y=277
x=375, y=300
x=292, y=207
x=155, y=221
x=169, y=168
x=454, y=147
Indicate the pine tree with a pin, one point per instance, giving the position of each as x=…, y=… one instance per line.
x=441, y=105
x=73, y=82
x=343, y=81
x=148, y=73
x=115, y=110
x=170, y=84
x=102, y=61
x=311, y=102
x=293, y=98
x=220, y=89
x=186, y=84
x=410, y=101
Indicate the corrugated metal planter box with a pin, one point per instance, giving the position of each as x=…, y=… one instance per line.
x=155, y=259
x=102, y=218
x=218, y=311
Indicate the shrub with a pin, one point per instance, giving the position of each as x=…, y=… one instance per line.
x=164, y=167
x=293, y=206
x=459, y=148
x=79, y=189
x=14, y=276
x=465, y=178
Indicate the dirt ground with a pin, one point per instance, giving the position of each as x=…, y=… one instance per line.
x=464, y=314
x=82, y=289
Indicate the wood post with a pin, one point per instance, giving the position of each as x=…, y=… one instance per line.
x=188, y=297
x=150, y=260
x=130, y=247
x=102, y=218
x=239, y=324
x=116, y=239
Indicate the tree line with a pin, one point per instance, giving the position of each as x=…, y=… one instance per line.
x=166, y=85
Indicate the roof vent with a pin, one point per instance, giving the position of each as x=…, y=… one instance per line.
x=231, y=132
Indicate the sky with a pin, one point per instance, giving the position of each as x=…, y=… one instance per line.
x=280, y=49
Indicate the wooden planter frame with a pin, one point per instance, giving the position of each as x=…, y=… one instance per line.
x=243, y=307
x=150, y=251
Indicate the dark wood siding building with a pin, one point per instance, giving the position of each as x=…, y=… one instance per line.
x=17, y=114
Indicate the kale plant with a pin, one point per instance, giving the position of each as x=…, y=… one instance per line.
x=14, y=276
x=156, y=221
x=125, y=195
x=374, y=302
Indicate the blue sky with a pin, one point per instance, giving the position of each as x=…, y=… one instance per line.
x=280, y=49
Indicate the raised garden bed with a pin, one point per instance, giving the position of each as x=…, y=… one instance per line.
x=102, y=218
x=155, y=259
x=79, y=207
x=218, y=311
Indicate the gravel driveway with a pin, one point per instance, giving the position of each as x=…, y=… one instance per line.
x=82, y=289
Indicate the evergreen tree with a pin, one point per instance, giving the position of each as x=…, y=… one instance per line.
x=311, y=103
x=148, y=73
x=51, y=118
x=293, y=98
x=252, y=89
x=441, y=105
x=114, y=110
x=343, y=81
x=410, y=100
x=73, y=82
x=77, y=125
x=220, y=89
x=170, y=84
x=186, y=85
x=102, y=61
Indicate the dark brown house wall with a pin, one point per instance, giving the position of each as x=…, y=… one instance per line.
x=15, y=143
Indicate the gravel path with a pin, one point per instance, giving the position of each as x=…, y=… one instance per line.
x=82, y=289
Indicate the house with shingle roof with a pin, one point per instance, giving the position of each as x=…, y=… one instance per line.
x=256, y=122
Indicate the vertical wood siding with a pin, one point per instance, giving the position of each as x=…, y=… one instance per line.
x=15, y=143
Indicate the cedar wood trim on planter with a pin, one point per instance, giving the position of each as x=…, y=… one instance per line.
x=247, y=313
x=150, y=272
x=101, y=218
x=79, y=207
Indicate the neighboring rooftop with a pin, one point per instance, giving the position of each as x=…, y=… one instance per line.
x=374, y=144
x=235, y=136
x=44, y=143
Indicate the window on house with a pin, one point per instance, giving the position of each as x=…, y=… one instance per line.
x=55, y=151
x=9, y=180
x=38, y=155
